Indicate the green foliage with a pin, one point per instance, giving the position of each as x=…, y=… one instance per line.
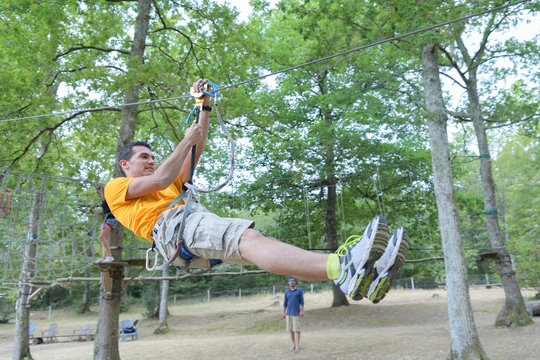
x=76, y=289
x=55, y=296
x=518, y=171
x=150, y=298
x=6, y=310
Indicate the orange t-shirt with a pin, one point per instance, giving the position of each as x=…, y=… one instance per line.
x=140, y=214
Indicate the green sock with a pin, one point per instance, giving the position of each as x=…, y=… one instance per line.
x=333, y=268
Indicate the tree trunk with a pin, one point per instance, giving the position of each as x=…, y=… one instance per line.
x=129, y=113
x=514, y=312
x=465, y=343
x=21, y=347
x=339, y=298
x=106, y=343
x=85, y=307
x=163, y=326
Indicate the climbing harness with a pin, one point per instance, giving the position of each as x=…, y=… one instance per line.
x=212, y=90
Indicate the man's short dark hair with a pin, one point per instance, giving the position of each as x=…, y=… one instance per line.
x=127, y=152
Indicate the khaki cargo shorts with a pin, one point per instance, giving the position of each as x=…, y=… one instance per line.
x=293, y=323
x=206, y=235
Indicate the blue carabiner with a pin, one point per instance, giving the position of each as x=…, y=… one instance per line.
x=212, y=93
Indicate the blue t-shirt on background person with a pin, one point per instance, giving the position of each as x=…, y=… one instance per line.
x=293, y=300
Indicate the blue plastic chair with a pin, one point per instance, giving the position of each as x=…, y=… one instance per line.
x=128, y=328
x=51, y=333
x=84, y=333
x=31, y=329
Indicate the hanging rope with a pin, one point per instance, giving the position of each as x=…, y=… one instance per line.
x=379, y=194
x=306, y=209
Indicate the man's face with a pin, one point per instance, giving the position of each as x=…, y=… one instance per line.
x=292, y=283
x=141, y=162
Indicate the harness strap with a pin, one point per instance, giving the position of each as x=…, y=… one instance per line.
x=189, y=185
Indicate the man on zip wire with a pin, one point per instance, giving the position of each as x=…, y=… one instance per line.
x=363, y=266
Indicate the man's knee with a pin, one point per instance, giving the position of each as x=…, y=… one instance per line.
x=252, y=234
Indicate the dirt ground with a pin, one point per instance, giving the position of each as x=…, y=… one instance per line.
x=406, y=325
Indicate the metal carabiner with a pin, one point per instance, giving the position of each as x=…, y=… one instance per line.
x=199, y=94
x=154, y=267
x=213, y=93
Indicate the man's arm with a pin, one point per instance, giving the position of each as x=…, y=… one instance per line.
x=204, y=121
x=285, y=301
x=180, y=158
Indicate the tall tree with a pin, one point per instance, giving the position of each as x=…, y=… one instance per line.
x=469, y=67
x=21, y=347
x=465, y=342
x=106, y=339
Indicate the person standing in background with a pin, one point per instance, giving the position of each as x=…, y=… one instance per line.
x=5, y=202
x=109, y=223
x=293, y=310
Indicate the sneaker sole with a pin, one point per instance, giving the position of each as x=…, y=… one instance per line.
x=379, y=241
x=381, y=285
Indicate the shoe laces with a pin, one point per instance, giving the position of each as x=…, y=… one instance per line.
x=343, y=249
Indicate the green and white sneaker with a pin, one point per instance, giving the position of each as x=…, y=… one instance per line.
x=358, y=255
x=387, y=266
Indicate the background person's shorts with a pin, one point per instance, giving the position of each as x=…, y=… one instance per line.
x=206, y=235
x=293, y=323
x=110, y=222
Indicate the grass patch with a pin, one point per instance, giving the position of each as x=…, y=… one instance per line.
x=267, y=326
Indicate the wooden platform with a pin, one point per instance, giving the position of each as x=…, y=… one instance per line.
x=126, y=262
x=109, y=267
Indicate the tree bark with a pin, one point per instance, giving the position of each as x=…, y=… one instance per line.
x=85, y=307
x=514, y=312
x=338, y=298
x=163, y=325
x=21, y=346
x=465, y=343
x=106, y=343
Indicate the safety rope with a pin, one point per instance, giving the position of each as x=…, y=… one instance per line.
x=485, y=212
x=473, y=158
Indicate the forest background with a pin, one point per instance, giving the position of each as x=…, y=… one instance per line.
x=320, y=149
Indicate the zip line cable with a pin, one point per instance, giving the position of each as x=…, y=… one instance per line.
x=343, y=53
